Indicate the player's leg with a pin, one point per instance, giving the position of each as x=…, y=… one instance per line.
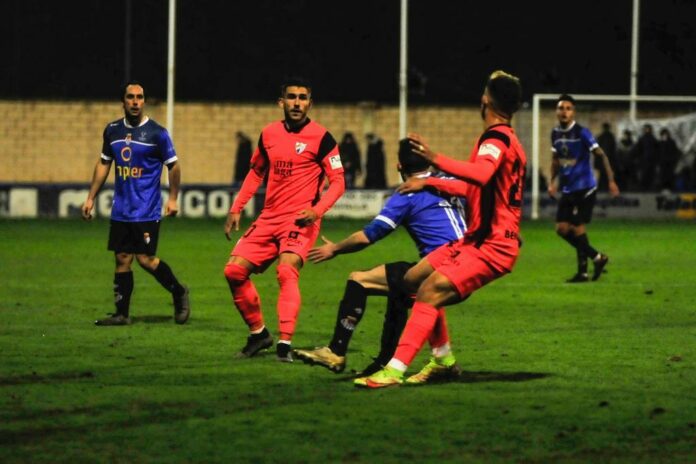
x=121, y=243
x=351, y=309
x=294, y=244
x=248, y=303
x=254, y=250
x=584, y=214
x=147, y=234
x=442, y=365
x=566, y=217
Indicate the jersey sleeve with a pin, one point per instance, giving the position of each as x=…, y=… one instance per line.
x=253, y=179
x=389, y=218
x=330, y=160
x=588, y=139
x=106, y=153
x=166, y=147
x=490, y=153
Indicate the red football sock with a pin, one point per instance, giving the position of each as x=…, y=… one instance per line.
x=417, y=330
x=439, y=336
x=245, y=296
x=289, y=300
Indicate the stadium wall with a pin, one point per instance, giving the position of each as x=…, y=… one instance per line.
x=59, y=141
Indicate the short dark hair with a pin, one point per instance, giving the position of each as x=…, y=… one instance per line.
x=410, y=161
x=505, y=91
x=566, y=98
x=125, y=86
x=296, y=81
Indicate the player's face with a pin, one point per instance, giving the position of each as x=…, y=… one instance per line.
x=565, y=112
x=134, y=102
x=296, y=104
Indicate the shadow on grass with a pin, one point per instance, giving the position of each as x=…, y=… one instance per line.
x=51, y=378
x=152, y=319
x=478, y=377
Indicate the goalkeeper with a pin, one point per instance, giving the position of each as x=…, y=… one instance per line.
x=431, y=220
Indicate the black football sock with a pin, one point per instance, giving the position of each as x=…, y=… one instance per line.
x=570, y=238
x=582, y=261
x=584, y=245
x=350, y=311
x=394, y=323
x=164, y=275
x=123, y=288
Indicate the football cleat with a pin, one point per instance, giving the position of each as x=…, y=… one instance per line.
x=114, y=319
x=599, y=265
x=182, y=307
x=578, y=278
x=437, y=370
x=323, y=356
x=387, y=377
x=360, y=382
x=284, y=352
x=371, y=368
x=256, y=343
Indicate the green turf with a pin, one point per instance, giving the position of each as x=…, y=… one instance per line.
x=597, y=372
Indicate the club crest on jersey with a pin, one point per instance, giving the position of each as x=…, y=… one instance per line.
x=489, y=149
x=129, y=137
x=300, y=147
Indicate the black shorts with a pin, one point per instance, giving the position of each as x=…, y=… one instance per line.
x=134, y=237
x=395, y=276
x=576, y=207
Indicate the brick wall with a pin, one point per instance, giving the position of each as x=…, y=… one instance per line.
x=47, y=141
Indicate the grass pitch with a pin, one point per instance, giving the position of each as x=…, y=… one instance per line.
x=555, y=372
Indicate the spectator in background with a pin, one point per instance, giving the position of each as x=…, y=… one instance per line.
x=375, y=175
x=607, y=141
x=350, y=158
x=645, y=157
x=241, y=164
x=669, y=156
x=626, y=173
x=686, y=168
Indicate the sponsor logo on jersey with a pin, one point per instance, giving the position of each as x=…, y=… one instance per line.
x=300, y=147
x=126, y=154
x=489, y=149
x=143, y=136
x=335, y=161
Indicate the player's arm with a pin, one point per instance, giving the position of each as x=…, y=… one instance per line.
x=331, y=164
x=354, y=242
x=252, y=182
x=613, y=188
x=174, y=176
x=101, y=172
x=555, y=169
x=453, y=187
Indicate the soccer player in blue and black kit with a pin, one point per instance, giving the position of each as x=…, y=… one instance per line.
x=139, y=147
x=431, y=220
x=572, y=145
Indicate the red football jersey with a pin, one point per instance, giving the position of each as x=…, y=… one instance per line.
x=497, y=164
x=296, y=162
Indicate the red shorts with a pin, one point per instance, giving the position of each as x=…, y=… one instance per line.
x=265, y=239
x=465, y=266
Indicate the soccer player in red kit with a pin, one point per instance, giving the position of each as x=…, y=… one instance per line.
x=490, y=247
x=296, y=154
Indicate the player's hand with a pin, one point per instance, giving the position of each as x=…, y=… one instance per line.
x=232, y=222
x=413, y=184
x=420, y=147
x=306, y=217
x=614, y=189
x=322, y=253
x=552, y=190
x=172, y=208
x=87, y=209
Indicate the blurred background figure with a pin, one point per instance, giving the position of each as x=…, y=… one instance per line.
x=242, y=159
x=627, y=173
x=607, y=141
x=350, y=158
x=668, y=157
x=375, y=177
x=645, y=158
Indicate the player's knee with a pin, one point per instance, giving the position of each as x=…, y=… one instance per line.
x=236, y=274
x=357, y=276
x=287, y=273
x=562, y=230
x=147, y=262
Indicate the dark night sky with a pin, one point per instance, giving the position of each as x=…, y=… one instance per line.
x=229, y=50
